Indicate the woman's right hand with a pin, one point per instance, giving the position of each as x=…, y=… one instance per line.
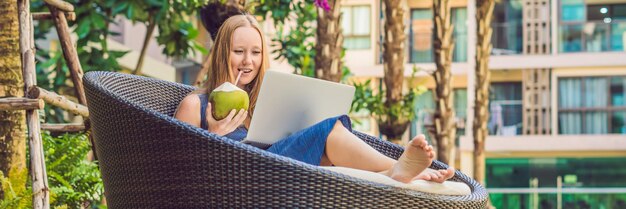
x=226, y=125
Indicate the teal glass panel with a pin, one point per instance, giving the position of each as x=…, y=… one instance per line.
x=460, y=111
x=595, y=92
x=506, y=91
x=421, y=38
x=355, y=23
x=506, y=109
x=459, y=21
x=618, y=122
x=596, y=122
x=460, y=103
x=507, y=28
x=550, y=201
x=424, y=107
x=570, y=94
x=570, y=123
x=573, y=10
x=581, y=172
x=597, y=41
x=499, y=173
x=570, y=38
x=357, y=43
x=422, y=14
x=618, y=35
x=618, y=91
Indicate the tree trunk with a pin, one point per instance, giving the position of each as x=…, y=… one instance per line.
x=481, y=109
x=394, y=50
x=69, y=53
x=443, y=45
x=393, y=59
x=12, y=123
x=146, y=40
x=328, y=63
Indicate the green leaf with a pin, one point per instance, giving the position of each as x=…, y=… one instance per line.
x=98, y=20
x=83, y=29
x=130, y=11
x=170, y=47
x=200, y=48
x=119, y=8
x=116, y=54
x=193, y=33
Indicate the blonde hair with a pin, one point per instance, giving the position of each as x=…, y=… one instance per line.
x=219, y=69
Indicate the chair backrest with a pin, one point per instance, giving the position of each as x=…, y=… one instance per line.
x=153, y=94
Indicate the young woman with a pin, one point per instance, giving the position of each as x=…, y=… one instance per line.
x=240, y=47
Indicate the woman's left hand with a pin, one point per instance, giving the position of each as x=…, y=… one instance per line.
x=226, y=125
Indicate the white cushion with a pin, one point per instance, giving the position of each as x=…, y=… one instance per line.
x=445, y=188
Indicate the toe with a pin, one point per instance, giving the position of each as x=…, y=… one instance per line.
x=419, y=141
x=419, y=136
x=450, y=173
x=435, y=176
x=443, y=172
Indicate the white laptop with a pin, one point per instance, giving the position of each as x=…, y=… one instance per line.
x=288, y=103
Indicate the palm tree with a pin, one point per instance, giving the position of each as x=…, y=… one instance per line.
x=443, y=45
x=12, y=123
x=481, y=112
x=328, y=62
x=393, y=126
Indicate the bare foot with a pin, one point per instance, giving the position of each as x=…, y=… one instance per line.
x=417, y=156
x=438, y=176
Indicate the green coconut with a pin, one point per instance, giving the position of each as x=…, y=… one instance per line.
x=227, y=97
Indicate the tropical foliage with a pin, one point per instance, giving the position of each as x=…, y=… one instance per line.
x=93, y=18
x=74, y=181
x=293, y=42
x=375, y=102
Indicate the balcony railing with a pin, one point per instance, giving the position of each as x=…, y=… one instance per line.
x=597, y=36
x=505, y=118
x=506, y=38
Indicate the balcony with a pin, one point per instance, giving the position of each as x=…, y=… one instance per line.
x=593, y=36
x=507, y=38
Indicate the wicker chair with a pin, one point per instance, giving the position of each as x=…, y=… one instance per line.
x=149, y=159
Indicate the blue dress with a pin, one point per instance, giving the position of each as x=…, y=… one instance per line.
x=306, y=145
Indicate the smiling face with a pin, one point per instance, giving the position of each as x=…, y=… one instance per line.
x=246, y=54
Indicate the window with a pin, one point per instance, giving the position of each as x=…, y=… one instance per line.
x=424, y=108
x=591, y=28
x=459, y=20
x=611, y=35
x=572, y=10
x=507, y=28
x=505, y=109
x=421, y=35
x=355, y=21
x=592, y=105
